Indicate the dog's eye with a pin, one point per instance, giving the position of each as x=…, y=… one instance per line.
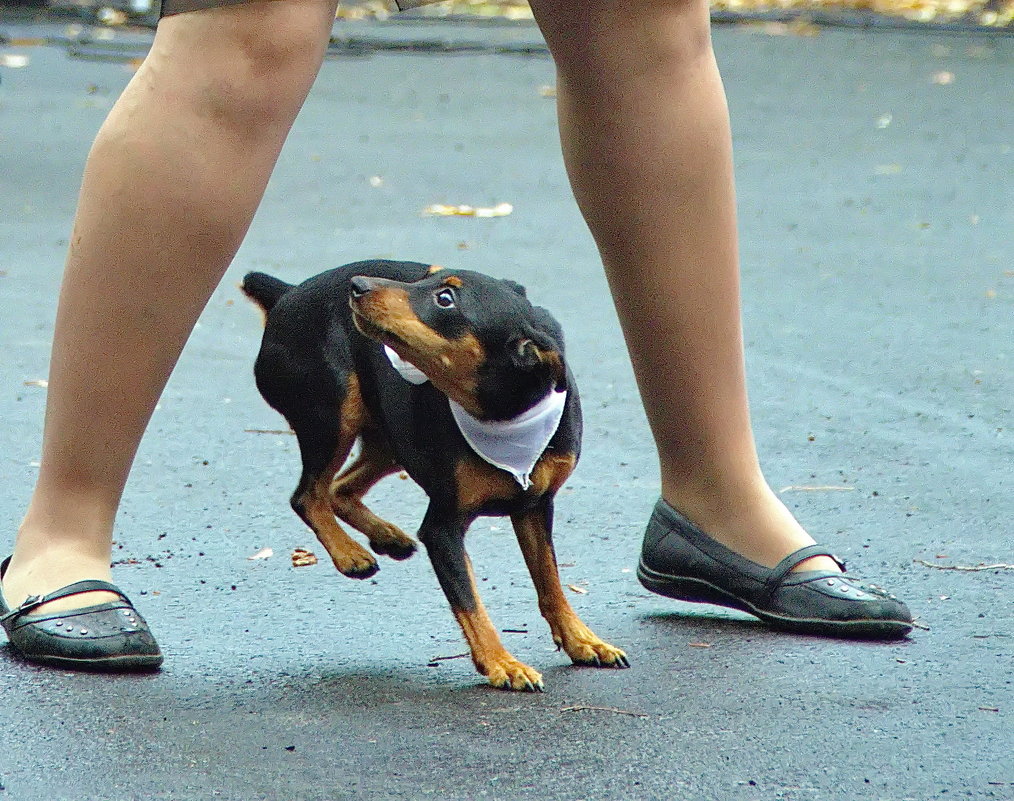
x=444, y=298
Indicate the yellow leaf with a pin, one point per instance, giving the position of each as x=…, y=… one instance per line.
x=445, y=210
x=13, y=60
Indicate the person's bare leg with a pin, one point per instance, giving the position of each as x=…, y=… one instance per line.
x=171, y=184
x=647, y=144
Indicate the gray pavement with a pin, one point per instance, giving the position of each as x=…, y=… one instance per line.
x=876, y=217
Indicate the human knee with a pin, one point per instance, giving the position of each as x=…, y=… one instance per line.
x=248, y=65
x=595, y=40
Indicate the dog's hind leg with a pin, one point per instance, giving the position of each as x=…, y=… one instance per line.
x=325, y=439
x=444, y=538
x=347, y=490
x=534, y=531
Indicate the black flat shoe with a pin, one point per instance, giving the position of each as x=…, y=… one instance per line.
x=680, y=561
x=109, y=636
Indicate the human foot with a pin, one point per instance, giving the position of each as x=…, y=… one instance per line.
x=101, y=635
x=680, y=561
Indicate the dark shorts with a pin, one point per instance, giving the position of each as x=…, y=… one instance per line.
x=170, y=7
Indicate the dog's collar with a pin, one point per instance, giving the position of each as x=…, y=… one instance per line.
x=514, y=445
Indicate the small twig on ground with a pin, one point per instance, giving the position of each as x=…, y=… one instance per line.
x=268, y=431
x=916, y=624
x=966, y=568
x=445, y=658
x=585, y=708
x=822, y=488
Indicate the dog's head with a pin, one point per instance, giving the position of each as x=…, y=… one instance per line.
x=477, y=338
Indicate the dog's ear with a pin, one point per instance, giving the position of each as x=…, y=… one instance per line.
x=525, y=354
x=529, y=355
x=548, y=327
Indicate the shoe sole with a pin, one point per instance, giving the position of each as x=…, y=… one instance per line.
x=112, y=664
x=699, y=591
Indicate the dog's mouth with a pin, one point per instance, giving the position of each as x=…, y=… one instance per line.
x=366, y=326
x=369, y=328
x=450, y=365
x=384, y=336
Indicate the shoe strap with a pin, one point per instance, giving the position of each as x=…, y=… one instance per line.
x=77, y=588
x=783, y=568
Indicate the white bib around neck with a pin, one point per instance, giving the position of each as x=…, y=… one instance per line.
x=513, y=445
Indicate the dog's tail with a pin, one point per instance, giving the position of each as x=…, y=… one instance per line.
x=264, y=289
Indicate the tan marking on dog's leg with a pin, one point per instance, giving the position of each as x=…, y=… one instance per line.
x=551, y=472
x=569, y=632
x=351, y=558
x=491, y=659
x=347, y=491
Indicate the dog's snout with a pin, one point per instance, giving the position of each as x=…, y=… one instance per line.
x=360, y=285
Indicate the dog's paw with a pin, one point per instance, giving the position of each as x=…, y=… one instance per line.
x=397, y=549
x=582, y=645
x=387, y=539
x=510, y=674
x=596, y=653
x=357, y=566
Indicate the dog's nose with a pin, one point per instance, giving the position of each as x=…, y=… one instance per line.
x=360, y=285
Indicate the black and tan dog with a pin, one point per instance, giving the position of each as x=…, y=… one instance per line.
x=477, y=356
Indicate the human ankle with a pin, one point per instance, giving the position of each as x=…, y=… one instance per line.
x=714, y=502
x=749, y=520
x=46, y=559
x=40, y=573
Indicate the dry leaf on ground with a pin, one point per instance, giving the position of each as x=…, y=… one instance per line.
x=303, y=558
x=112, y=16
x=13, y=60
x=446, y=210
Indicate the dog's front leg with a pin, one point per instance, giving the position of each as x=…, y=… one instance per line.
x=534, y=530
x=443, y=534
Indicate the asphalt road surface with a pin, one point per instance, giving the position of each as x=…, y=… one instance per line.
x=876, y=218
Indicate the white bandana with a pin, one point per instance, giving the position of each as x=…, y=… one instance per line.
x=405, y=369
x=513, y=445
